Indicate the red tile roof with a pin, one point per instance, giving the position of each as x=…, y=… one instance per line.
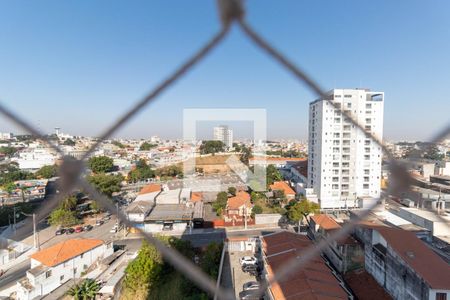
x=283, y=186
x=313, y=281
x=196, y=196
x=431, y=267
x=325, y=221
x=150, y=188
x=64, y=251
x=237, y=201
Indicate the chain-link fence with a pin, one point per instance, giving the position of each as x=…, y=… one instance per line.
x=231, y=13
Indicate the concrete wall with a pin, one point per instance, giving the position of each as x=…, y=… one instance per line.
x=268, y=219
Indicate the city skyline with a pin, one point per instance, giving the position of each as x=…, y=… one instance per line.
x=80, y=62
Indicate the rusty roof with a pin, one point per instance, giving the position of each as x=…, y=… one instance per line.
x=150, y=188
x=432, y=268
x=313, y=281
x=325, y=221
x=283, y=186
x=64, y=251
x=237, y=201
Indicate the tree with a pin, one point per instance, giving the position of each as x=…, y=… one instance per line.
x=10, y=173
x=256, y=210
x=432, y=152
x=141, y=172
x=170, y=171
x=147, y=146
x=69, y=142
x=87, y=290
x=106, y=184
x=70, y=203
x=63, y=217
x=144, y=271
x=47, y=172
x=232, y=190
x=272, y=175
x=211, y=259
x=246, y=154
x=221, y=203
x=212, y=147
x=8, y=151
x=101, y=164
x=296, y=211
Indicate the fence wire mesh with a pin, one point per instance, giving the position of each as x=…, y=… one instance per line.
x=72, y=170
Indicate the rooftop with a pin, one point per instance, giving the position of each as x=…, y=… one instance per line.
x=64, y=251
x=313, y=281
x=432, y=268
x=283, y=186
x=325, y=221
x=170, y=212
x=150, y=188
x=426, y=214
x=237, y=201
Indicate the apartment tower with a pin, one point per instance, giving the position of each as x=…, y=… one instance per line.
x=224, y=134
x=344, y=162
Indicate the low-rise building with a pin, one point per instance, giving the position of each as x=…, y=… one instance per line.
x=52, y=267
x=239, y=206
x=283, y=186
x=345, y=254
x=402, y=264
x=315, y=280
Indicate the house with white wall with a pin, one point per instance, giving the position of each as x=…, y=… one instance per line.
x=53, y=266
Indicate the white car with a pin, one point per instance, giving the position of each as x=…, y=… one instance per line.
x=248, y=260
x=114, y=229
x=251, y=285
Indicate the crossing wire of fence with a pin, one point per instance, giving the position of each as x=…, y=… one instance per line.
x=71, y=172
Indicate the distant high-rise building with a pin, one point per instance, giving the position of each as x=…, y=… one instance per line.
x=344, y=162
x=224, y=134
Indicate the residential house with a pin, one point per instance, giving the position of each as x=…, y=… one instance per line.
x=52, y=267
x=239, y=206
x=283, y=186
x=404, y=265
x=345, y=254
x=314, y=280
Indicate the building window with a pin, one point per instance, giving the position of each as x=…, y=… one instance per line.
x=337, y=120
x=48, y=274
x=81, y=256
x=368, y=105
x=349, y=105
x=335, y=186
x=367, y=142
x=61, y=278
x=366, y=179
x=347, y=96
x=366, y=157
x=335, y=179
x=335, y=165
x=441, y=296
x=336, y=135
x=365, y=186
x=366, y=172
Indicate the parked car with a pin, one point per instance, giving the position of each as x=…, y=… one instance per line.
x=99, y=222
x=249, y=295
x=106, y=218
x=70, y=230
x=88, y=227
x=251, y=285
x=248, y=260
x=114, y=229
x=60, y=231
x=79, y=229
x=251, y=269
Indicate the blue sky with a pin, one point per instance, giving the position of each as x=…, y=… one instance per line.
x=79, y=64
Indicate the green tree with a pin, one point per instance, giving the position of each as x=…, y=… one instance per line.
x=63, y=217
x=246, y=155
x=221, y=203
x=143, y=272
x=145, y=146
x=256, y=210
x=47, y=172
x=70, y=203
x=101, y=164
x=272, y=175
x=86, y=290
x=232, y=190
x=8, y=151
x=106, y=184
x=141, y=172
x=10, y=173
x=211, y=259
x=170, y=171
x=432, y=152
x=297, y=211
x=212, y=147
x=69, y=142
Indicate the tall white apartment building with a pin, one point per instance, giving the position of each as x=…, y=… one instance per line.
x=344, y=163
x=224, y=134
